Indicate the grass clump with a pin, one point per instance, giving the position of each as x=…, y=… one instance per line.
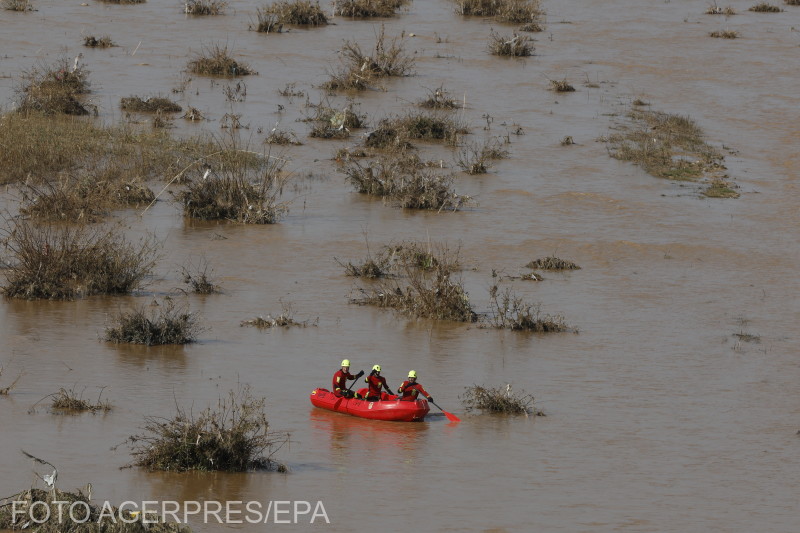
x=198, y=278
x=509, y=11
x=46, y=506
x=714, y=9
x=217, y=61
x=500, y=400
x=98, y=42
x=54, y=89
x=792, y=2
x=721, y=188
x=235, y=436
x=123, y=2
x=405, y=181
x=204, y=7
x=765, y=7
x=282, y=138
x=62, y=263
x=665, y=146
x=152, y=104
x=512, y=46
x=561, y=86
x=5, y=390
x=296, y=12
x=284, y=320
x=17, y=5
x=395, y=132
x=241, y=187
x=511, y=312
x=724, y=34
x=168, y=325
x=359, y=71
x=266, y=22
x=70, y=400
x=552, y=263
x=367, y=8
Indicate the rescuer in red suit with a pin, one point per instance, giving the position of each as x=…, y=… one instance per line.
x=375, y=382
x=340, y=380
x=410, y=389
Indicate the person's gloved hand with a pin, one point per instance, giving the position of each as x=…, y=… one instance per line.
x=430, y=399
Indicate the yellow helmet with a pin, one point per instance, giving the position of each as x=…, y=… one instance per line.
x=345, y=362
x=376, y=368
x=412, y=373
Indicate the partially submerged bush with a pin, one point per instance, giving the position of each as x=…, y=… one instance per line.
x=561, y=86
x=204, y=7
x=244, y=188
x=552, y=263
x=714, y=9
x=54, y=89
x=765, y=7
x=367, y=8
x=151, y=104
x=98, y=42
x=18, y=5
x=476, y=158
x=500, y=400
x=266, y=22
x=296, y=12
x=124, y=1
x=405, y=181
x=510, y=11
x=724, y=34
x=514, y=45
x=721, y=188
x=439, y=98
x=284, y=320
x=62, y=263
x=395, y=132
x=197, y=277
x=233, y=437
x=71, y=400
x=5, y=390
x=359, y=71
x=49, y=509
x=792, y=2
x=282, y=138
x=217, y=61
x=511, y=312
x=424, y=293
x=168, y=324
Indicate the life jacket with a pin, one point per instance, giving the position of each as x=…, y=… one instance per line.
x=375, y=382
x=339, y=384
x=410, y=391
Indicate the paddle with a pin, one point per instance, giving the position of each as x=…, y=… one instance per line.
x=339, y=401
x=450, y=416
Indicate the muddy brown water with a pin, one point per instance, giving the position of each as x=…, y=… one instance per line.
x=660, y=418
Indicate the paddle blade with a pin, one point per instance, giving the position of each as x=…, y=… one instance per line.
x=451, y=417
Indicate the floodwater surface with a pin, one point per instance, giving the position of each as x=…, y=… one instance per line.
x=673, y=408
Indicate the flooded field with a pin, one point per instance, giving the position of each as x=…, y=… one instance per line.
x=672, y=408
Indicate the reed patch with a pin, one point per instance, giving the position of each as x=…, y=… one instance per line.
x=368, y=8
x=296, y=12
x=204, y=7
x=508, y=11
x=168, y=323
x=510, y=45
x=216, y=60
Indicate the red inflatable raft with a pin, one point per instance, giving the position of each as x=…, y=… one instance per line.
x=389, y=408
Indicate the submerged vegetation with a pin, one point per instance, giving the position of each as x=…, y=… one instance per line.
x=71, y=400
x=510, y=45
x=499, y=400
x=216, y=60
x=98, y=42
x=54, y=89
x=765, y=7
x=509, y=11
x=235, y=436
x=367, y=8
x=5, y=390
x=296, y=12
x=552, y=263
x=17, y=5
x=508, y=311
x=168, y=324
x=65, y=262
x=204, y=7
x=151, y=104
x=666, y=146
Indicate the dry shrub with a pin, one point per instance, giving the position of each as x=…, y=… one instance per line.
x=359, y=71
x=54, y=89
x=510, y=11
x=765, y=7
x=239, y=186
x=71, y=400
x=511, y=312
x=513, y=46
x=87, y=198
x=552, y=263
x=476, y=158
x=424, y=292
x=284, y=320
x=561, y=86
x=724, y=34
x=197, y=277
x=332, y=123
x=792, y=2
x=500, y=400
x=395, y=132
x=665, y=146
x=439, y=98
x=18, y=5
x=532, y=27
x=297, y=12
x=123, y=1
x=233, y=437
x=168, y=324
x=5, y=390
x=98, y=42
x=266, y=22
x=367, y=8
x=204, y=7
x=62, y=263
x=282, y=138
x=405, y=181
x=193, y=114
x=217, y=61
x=46, y=506
x=151, y=104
